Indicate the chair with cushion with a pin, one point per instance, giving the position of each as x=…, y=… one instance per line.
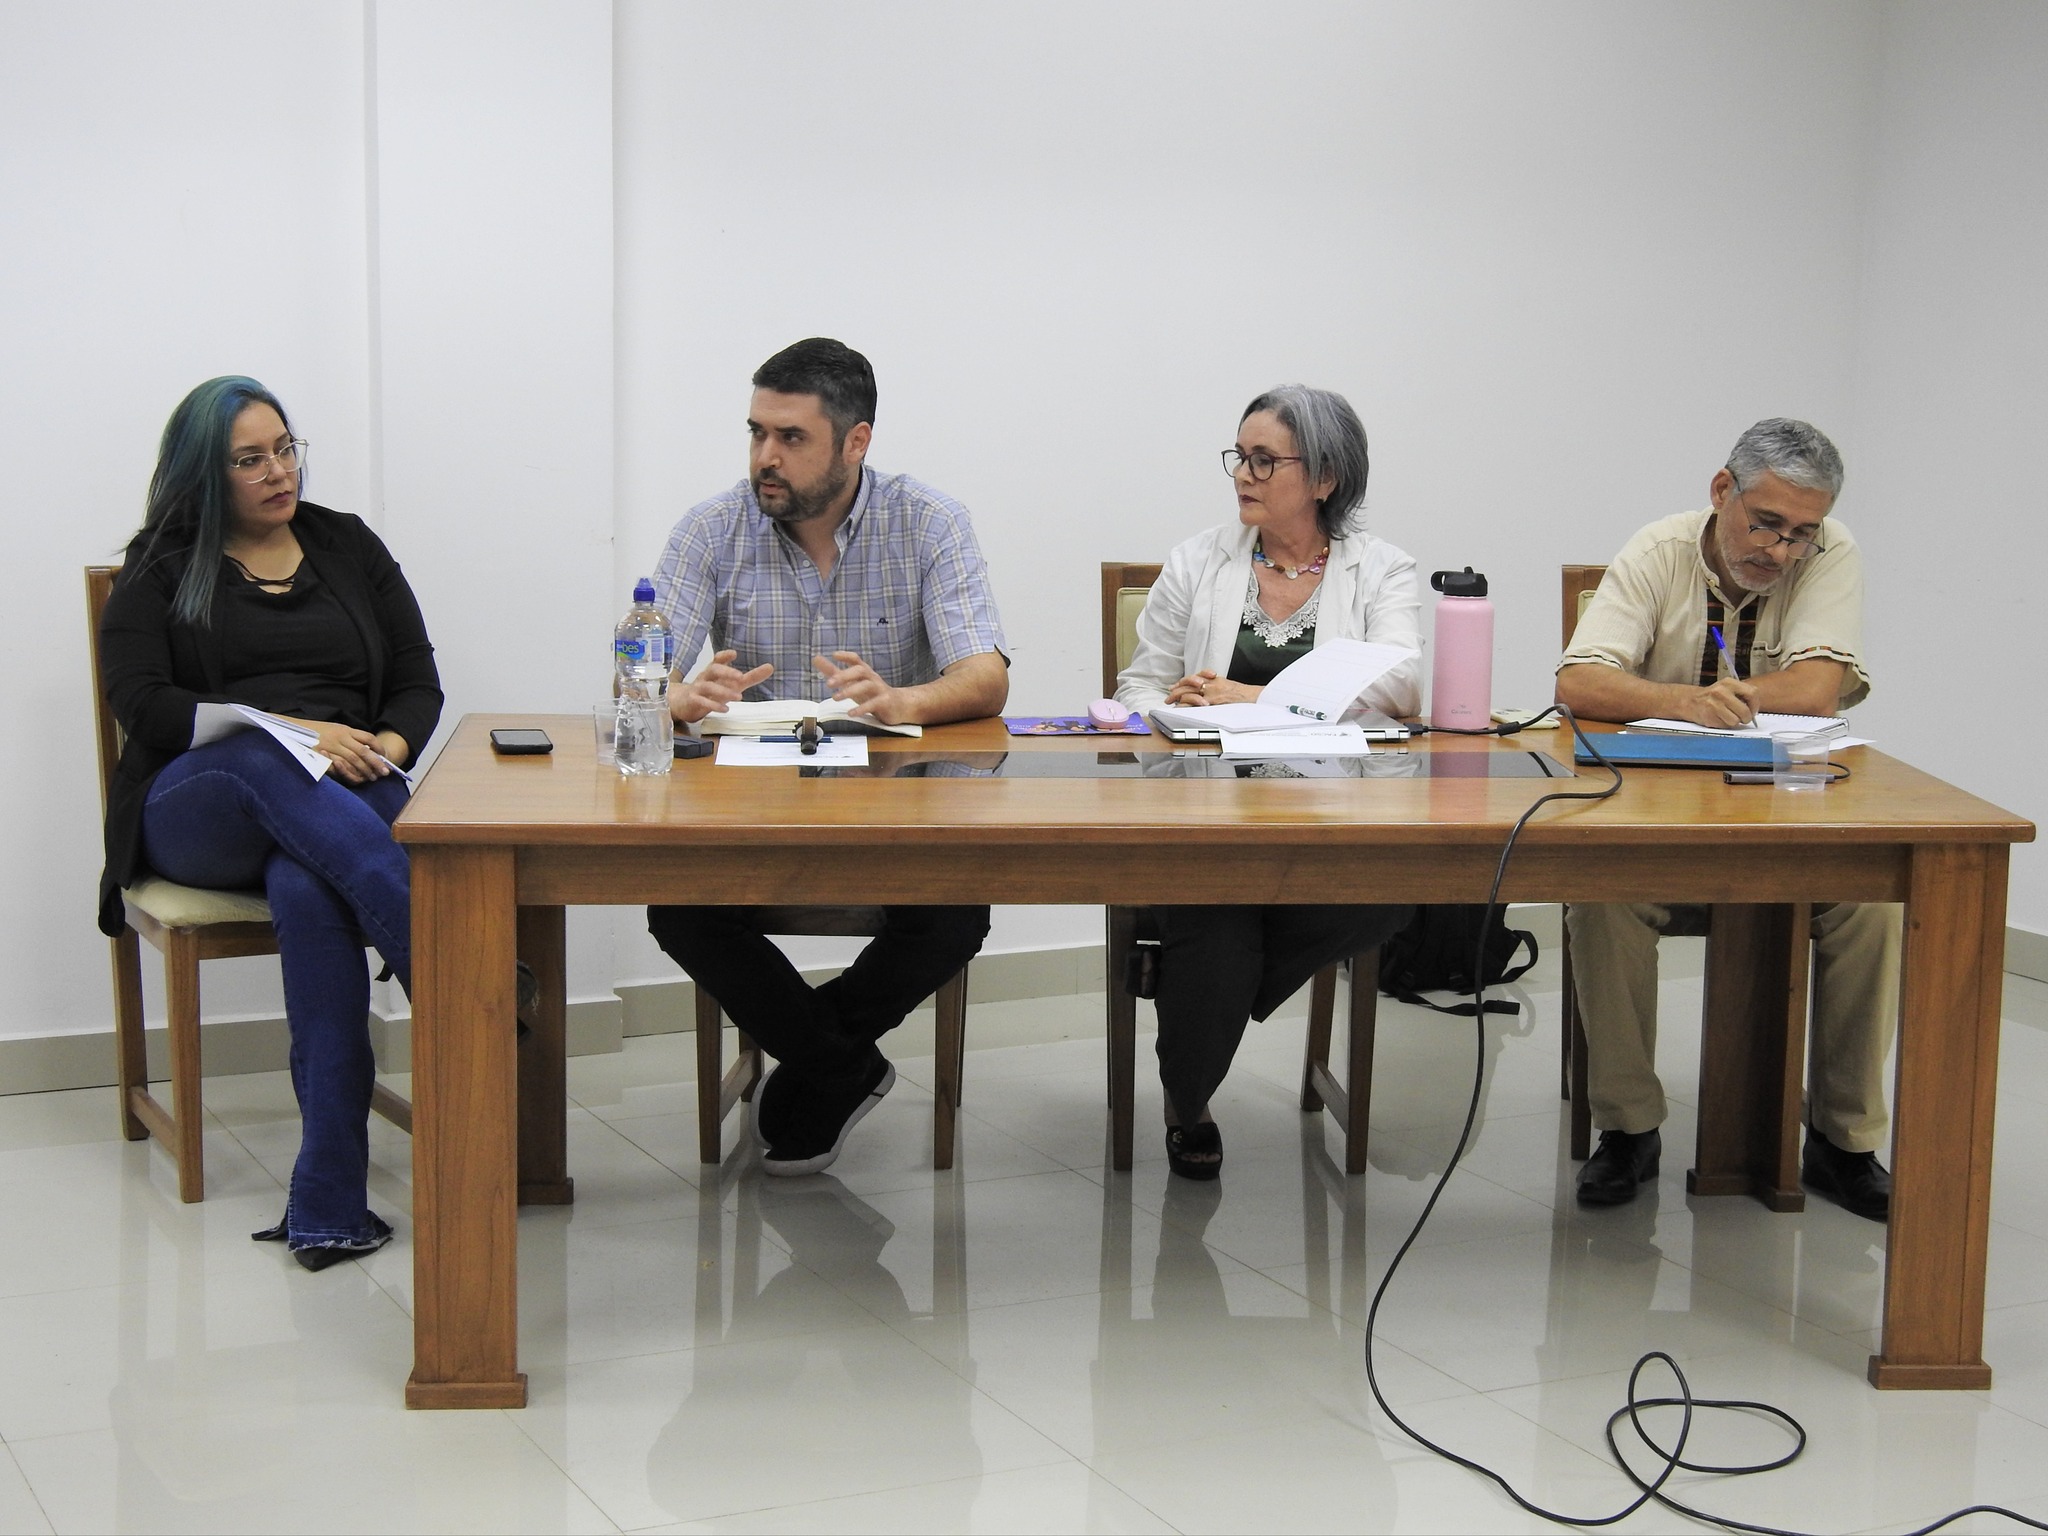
x=1129, y=930
x=719, y=1088
x=187, y=925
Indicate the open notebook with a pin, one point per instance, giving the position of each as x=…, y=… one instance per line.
x=1764, y=725
x=772, y=717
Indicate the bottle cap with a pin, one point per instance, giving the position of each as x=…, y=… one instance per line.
x=1465, y=583
x=644, y=592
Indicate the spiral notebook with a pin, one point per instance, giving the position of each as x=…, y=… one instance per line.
x=1765, y=725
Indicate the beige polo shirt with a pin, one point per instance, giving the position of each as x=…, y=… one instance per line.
x=1651, y=612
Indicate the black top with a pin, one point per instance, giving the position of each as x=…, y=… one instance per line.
x=155, y=671
x=292, y=652
x=1255, y=663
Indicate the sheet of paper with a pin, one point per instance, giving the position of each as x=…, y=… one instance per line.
x=210, y=722
x=753, y=752
x=1326, y=682
x=1341, y=739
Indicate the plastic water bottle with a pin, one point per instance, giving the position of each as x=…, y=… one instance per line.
x=1461, y=675
x=643, y=648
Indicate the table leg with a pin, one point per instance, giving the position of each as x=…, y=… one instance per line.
x=1951, y=974
x=1753, y=1055
x=465, y=1133
x=544, y=1064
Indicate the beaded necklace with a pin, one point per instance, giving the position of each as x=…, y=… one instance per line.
x=1291, y=572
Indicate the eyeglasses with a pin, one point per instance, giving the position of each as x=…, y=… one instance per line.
x=1262, y=463
x=1769, y=538
x=254, y=468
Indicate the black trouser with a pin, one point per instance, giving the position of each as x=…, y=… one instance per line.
x=823, y=1030
x=1221, y=967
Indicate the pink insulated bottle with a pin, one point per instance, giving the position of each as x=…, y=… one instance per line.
x=1461, y=680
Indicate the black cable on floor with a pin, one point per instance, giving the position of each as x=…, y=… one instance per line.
x=1672, y=1460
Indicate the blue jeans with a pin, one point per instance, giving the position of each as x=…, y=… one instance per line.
x=240, y=814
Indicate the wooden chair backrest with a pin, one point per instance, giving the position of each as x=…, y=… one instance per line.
x=1124, y=589
x=99, y=584
x=1580, y=583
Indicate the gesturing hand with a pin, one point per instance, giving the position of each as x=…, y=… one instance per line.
x=855, y=681
x=710, y=691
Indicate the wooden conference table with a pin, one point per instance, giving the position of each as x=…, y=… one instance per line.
x=500, y=846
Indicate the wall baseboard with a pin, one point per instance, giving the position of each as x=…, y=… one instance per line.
x=601, y=1025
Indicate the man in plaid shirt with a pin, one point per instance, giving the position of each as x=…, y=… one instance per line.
x=817, y=577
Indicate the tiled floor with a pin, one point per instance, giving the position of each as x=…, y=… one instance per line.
x=1025, y=1344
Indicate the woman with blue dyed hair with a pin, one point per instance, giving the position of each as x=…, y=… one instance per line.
x=235, y=591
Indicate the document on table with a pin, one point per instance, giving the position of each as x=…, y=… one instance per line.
x=753, y=752
x=1766, y=724
x=211, y=722
x=1341, y=738
x=1321, y=686
x=1326, y=682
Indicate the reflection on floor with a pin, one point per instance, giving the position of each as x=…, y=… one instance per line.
x=1023, y=1344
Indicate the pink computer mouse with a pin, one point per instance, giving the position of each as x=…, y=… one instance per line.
x=1108, y=714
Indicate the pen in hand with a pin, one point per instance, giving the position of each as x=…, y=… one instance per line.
x=1722, y=646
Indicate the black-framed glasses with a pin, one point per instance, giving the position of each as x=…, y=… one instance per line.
x=1770, y=538
x=1262, y=463
x=254, y=468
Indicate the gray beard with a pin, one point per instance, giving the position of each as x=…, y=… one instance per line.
x=802, y=506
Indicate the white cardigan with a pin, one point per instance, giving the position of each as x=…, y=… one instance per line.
x=1192, y=617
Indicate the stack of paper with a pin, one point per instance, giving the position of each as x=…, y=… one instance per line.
x=775, y=716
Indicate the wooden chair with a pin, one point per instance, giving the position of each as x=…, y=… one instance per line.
x=187, y=925
x=719, y=1088
x=1580, y=583
x=1125, y=929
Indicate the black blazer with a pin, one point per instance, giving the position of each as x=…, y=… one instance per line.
x=154, y=670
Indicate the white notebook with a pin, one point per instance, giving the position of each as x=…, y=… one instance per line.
x=1764, y=725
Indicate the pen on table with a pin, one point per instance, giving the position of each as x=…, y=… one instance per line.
x=817, y=739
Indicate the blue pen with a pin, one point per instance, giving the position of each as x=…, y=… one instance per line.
x=1722, y=646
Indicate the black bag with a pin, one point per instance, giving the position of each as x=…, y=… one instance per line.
x=1434, y=954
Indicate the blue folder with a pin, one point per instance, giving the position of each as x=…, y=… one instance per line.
x=1647, y=749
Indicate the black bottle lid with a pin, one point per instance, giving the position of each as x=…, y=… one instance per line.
x=1465, y=583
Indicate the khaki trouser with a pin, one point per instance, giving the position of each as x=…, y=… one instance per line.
x=1855, y=1014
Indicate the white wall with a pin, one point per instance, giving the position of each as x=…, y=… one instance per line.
x=183, y=190
x=511, y=263
x=1951, y=384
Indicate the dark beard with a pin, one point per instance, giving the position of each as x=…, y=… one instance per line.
x=800, y=506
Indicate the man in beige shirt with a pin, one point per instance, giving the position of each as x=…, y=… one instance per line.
x=1782, y=581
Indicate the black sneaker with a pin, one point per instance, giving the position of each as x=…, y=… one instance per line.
x=1622, y=1162
x=1856, y=1181
x=810, y=1119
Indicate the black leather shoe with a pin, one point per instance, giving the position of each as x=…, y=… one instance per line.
x=1622, y=1162
x=1856, y=1181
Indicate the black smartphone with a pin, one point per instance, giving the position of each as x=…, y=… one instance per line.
x=520, y=743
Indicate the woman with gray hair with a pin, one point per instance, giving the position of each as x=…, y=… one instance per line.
x=1233, y=606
